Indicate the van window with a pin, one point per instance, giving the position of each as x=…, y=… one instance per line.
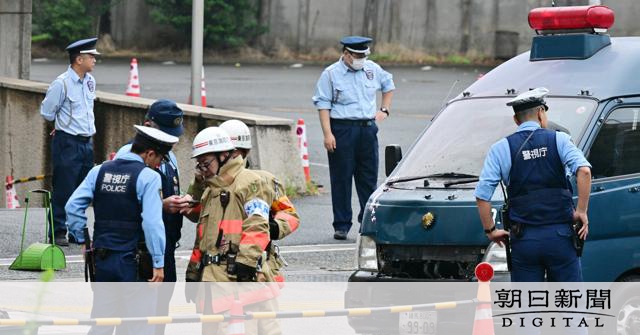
x=616, y=149
x=459, y=138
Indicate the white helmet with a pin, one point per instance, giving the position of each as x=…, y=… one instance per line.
x=239, y=133
x=212, y=139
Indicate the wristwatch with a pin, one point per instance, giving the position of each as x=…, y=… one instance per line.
x=385, y=110
x=488, y=231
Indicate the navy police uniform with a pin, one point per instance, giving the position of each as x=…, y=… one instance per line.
x=69, y=103
x=349, y=93
x=534, y=163
x=167, y=116
x=126, y=196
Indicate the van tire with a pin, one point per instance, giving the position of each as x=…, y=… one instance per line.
x=628, y=311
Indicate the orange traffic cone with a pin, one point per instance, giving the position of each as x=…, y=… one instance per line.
x=133, y=87
x=203, y=91
x=10, y=194
x=301, y=131
x=483, y=324
x=236, y=325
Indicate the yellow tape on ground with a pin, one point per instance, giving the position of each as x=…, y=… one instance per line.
x=109, y=321
x=9, y=322
x=159, y=320
x=211, y=318
x=359, y=311
x=446, y=305
x=66, y=322
x=313, y=313
x=399, y=309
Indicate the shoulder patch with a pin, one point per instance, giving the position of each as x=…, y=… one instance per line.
x=257, y=206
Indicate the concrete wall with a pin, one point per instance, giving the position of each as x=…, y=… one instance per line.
x=15, y=38
x=25, y=143
x=434, y=26
x=133, y=28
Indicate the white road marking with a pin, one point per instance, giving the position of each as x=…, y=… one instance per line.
x=319, y=164
x=185, y=254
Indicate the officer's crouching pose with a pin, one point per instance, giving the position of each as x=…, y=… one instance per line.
x=120, y=190
x=533, y=162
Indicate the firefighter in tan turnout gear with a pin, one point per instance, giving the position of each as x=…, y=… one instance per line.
x=284, y=218
x=233, y=228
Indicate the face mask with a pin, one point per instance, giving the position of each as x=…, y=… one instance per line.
x=358, y=63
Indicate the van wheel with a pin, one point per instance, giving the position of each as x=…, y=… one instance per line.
x=628, y=321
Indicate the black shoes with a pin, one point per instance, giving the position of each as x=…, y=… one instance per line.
x=61, y=239
x=340, y=235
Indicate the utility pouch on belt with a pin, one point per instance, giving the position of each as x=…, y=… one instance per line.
x=578, y=243
x=231, y=259
x=145, y=264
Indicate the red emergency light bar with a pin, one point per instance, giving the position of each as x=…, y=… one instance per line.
x=571, y=18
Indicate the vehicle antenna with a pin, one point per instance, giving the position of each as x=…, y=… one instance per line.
x=444, y=102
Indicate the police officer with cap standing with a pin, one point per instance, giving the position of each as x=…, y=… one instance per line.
x=69, y=103
x=120, y=189
x=165, y=115
x=534, y=162
x=345, y=97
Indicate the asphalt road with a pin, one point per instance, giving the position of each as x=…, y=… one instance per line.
x=281, y=91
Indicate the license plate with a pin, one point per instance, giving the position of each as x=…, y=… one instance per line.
x=420, y=322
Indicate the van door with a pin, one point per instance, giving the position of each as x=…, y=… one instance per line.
x=614, y=208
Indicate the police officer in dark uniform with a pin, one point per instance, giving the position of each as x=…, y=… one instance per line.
x=165, y=115
x=534, y=163
x=345, y=97
x=120, y=190
x=69, y=103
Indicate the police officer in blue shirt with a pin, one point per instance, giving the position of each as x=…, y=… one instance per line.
x=534, y=162
x=120, y=190
x=69, y=103
x=167, y=116
x=345, y=97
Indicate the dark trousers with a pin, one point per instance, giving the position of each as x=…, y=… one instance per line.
x=355, y=157
x=117, y=295
x=545, y=249
x=72, y=160
x=172, y=232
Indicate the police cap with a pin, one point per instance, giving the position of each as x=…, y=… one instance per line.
x=357, y=44
x=167, y=115
x=155, y=139
x=86, y=46
x=529, y=99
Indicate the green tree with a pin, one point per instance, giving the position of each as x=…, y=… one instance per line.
x=227, y=23
x=63, y=21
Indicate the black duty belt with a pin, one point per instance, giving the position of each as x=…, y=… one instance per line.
x=80, y=138
x=354, y=123
x=208, y=259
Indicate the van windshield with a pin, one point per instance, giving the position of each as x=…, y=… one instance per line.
x=459, y=138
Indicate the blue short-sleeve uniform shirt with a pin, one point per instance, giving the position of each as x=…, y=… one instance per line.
x=350, y=94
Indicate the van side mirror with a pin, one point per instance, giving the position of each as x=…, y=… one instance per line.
x=392, y=156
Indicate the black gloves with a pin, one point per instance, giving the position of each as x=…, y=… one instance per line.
x=191, y=290
x=245, y=273
x=274, y=230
